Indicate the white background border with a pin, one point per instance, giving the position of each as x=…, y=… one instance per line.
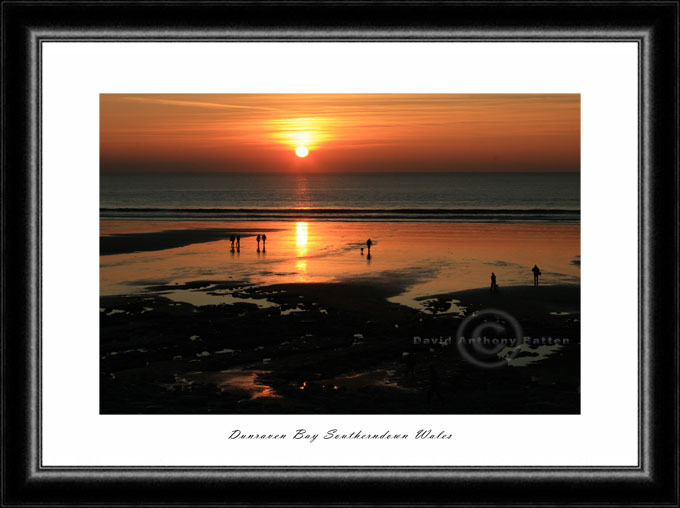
x=74, y=74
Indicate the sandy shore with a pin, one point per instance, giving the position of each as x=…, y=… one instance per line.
x=336, y=348
x=524, y=302
x=127, y=243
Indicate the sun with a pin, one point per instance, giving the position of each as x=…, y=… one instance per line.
x=301, y=151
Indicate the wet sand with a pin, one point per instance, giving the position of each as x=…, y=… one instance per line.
x=521, y=301
x=311, y=325
x=127, y=243
x=335, y=348
x=437, y=257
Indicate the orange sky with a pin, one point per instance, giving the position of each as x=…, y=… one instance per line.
x=343, y=132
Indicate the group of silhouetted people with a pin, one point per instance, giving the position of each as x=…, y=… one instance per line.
x=535, y=270
x=261, y=238
x=236, y=242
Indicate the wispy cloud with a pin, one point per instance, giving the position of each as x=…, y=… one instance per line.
x=197, y=104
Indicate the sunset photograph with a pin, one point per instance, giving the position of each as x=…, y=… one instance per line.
x=339, y=253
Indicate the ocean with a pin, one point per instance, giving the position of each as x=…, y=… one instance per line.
x=392, y=197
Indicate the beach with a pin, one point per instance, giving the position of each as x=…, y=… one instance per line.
x=310, y=324
x=340, y=253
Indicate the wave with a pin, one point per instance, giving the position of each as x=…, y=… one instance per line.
x=350, y=214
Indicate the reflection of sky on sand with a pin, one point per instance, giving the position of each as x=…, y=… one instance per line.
x=205, y=296
x=301, y=239
x=514, y=356
x=430, y=306
x=230, y=380
x=443, y=257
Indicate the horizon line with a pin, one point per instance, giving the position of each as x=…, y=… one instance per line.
x=294, y=173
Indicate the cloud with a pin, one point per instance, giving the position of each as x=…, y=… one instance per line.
x=197, y=104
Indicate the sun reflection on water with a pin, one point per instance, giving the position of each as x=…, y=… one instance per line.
x=301, y=239
x=302, y=195
x=301, y=267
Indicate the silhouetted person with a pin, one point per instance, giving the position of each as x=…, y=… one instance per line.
x=434, y=386
x=258, y=243
x=537, y=273
x=231, y=239
x=362, y=251
x=238, y=241
x=264, y=242
x=368, y=244
x=494, y=286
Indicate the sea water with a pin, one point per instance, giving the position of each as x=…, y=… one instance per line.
x=411, y=197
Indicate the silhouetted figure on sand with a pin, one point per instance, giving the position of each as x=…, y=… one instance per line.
x=238, y=242
x=258, y=243
x=362, y=251
x=494, y=286
x=434, y=386
x=231, y=239
x=537, y=274
x=264, y=242
x=368, y=244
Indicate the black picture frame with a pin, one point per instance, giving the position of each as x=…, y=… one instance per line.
x=653, y=26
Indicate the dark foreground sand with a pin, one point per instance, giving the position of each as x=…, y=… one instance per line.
x=336, y=348
x=127, y=243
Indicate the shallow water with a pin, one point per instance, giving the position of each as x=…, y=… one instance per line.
x=537, y=354
x=230, y=380
x=206, y=297
x=424, y=258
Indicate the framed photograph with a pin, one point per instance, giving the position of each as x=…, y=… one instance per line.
x=340, y=253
